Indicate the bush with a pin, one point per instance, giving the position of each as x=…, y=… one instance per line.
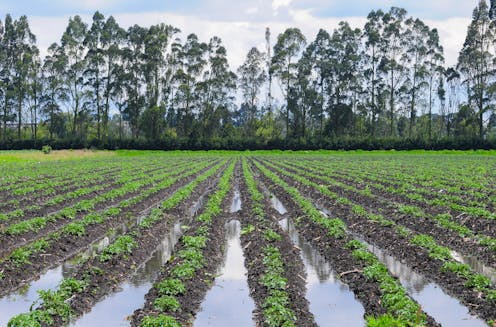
x=46, y=149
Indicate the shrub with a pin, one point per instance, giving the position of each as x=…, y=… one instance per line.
x=46, y=149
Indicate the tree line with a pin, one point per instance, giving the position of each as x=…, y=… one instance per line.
x=387, y=79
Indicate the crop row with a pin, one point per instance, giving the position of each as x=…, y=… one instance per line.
x=360, y=220
x=78, y=234
x=103, y=272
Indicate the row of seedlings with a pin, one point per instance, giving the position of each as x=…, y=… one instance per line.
x=78, y=188
x=275, y=273
x=184, y=280
x=27, y=262
x=385, y=301
x=442, y=226
x=473, y=289
x=468, y=201
x=33, y=228
x=102, y=274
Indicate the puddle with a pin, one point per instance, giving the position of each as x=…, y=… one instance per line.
x=115, y=308
x=228, y=302
x=445, y=309
x=277, y=204
x=193, y=210
x=476, y=265
x=20, y=301
x=236, y=202
x=330, y=299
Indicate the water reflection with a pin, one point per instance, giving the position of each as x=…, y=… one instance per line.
x=236, y=202
x=115, y=308
x=330, y=300
x=277, y=204
x=228, y=302
x=476, y=265
x=193, y=210
x=20, y=301
x=445, y=309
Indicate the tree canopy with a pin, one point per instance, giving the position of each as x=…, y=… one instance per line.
x=387, y=79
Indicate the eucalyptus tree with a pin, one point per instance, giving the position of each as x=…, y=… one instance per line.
x=73, y=53
x=453, y=86
x=3, y=84
x=133, y=60
x=53, y=70
x=156, y=44
x=171, y=83
x=344, y=89
x=475, y=62
x=374, y=50
x=434, y=68
x=252, y=76
x=288, y=48
x=394, y=58
x=95, y=66
x=318, y=53
x=417, y=35
x=7, y=56
x=35, y=90
x=306, y=100
x=18, y=52
x=193, y=59
x=217, y=89
x=112, y=40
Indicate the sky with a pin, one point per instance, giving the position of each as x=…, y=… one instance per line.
x=241, y=24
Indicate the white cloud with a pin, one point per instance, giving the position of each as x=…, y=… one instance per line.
x=251, y=11
x=276, y=4
x=95, y=4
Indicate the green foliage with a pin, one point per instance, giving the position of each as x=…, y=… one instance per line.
x=478, y=282
x=276, y=312
x=171, y=286
x=386, y=320
x=247, y=229
x=74, y=229
x=196, y=242
x=184, y=271
x=159, y=321
x=411, y=210
x=364, y=255
x=435, y=251
x=355, y=245
x=46, y=149
x=31, y=319
x=272, y=236
x=121, y=246
x=166, y=303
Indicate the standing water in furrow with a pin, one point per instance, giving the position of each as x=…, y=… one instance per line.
x=132, y=292
x=228, y=302
x=21, y=300
x=330, y=300
x=444, y=308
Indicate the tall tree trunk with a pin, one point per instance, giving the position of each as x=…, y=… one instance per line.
x=19, y=115
x=98, y=108
x=5, y=111
x=391, y=105
x=52, y=109
x=430, y=108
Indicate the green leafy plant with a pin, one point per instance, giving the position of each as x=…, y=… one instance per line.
x=159, y=321
x=166, y=303
x=171, y=286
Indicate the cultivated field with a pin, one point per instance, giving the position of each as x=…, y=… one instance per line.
x=265, y=239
